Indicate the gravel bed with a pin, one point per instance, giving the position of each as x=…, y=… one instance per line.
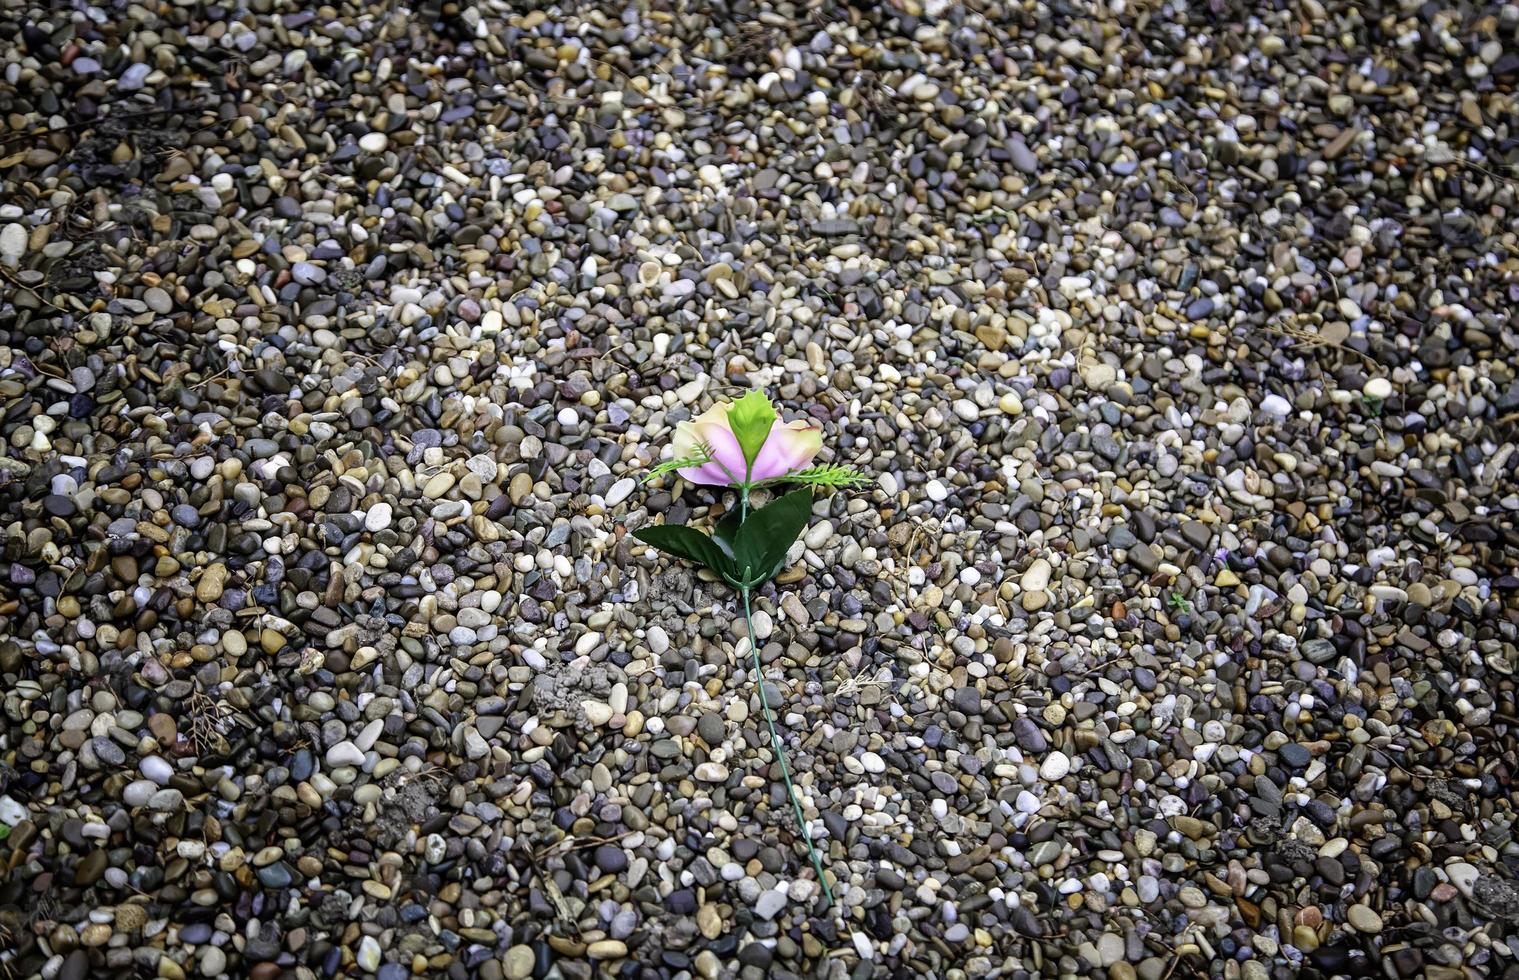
x=1175, y=638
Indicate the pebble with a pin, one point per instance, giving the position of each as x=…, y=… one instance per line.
x=13, y=242
x=368, y=956
x=378, y=517
x=12, y=812
x=769, y=904
x=1033, y=584
x=156, y=769
x=1054, y=767
x=518, y=962
x=344, y=753
x=158, y=300
x=1363, y=919
x=1174, y=633
x=711, y=772
x=711, y=728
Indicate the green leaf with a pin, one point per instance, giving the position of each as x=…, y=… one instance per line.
x=751, y=419
x=831, y=476
x=700, y=456
x=689, y=543
x=725, y=532
x=760, y=548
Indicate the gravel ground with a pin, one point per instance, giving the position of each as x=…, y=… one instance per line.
x=1175, y=640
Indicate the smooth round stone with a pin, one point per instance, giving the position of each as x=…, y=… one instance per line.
x=157, y=769
x=307, y=273
x=378, y=517
x=611, y=859
x=368, y=954
x=276, y=875
x=138, y=792
x=1055, y=766
x=133, y=78
x=158, y=300
x=213, y=962
x=1363, y=919
x=345, y=753
x=518, y=962
x=711, y=728
x=108, y=752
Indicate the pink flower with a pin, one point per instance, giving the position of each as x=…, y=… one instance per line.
x=789, y=447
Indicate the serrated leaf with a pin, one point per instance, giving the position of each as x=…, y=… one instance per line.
x=689, y=543
x=751, y=419
x=760, y=548
x=699, y=456
x=831, y=475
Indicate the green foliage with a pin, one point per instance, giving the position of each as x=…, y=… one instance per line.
x=746, y=553
x=760, y=547
x=687, y=542
x=725, y=533
x=751, y=418
x=700, y=456
x=829, y=476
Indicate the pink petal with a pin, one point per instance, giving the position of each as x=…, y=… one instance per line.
x=725, y=450
x=789, y=447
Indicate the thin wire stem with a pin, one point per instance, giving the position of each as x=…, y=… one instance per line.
x=775, y=736
x=780, y=752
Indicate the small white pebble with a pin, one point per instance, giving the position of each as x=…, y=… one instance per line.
x=1274, y=404
x=1055, y=766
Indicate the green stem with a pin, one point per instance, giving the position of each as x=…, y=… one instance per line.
x=775, y=736
x=780, y=752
